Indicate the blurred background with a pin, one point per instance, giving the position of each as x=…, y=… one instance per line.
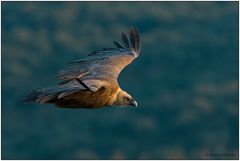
x=185, y=80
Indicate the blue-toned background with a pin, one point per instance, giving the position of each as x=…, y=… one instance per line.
x=185, y=80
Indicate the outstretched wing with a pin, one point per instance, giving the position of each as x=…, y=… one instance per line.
x=105, y=65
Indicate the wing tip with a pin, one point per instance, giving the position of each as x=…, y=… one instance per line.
x=135, y=37
x=131, y=41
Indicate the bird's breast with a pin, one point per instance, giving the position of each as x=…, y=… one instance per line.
x=86, y=99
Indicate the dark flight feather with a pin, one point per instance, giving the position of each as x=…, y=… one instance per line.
x=118, y=44
x=125, y=40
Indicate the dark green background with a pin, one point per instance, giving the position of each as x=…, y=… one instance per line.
x=185, y=80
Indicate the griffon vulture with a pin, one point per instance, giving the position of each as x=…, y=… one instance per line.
x=92, y=82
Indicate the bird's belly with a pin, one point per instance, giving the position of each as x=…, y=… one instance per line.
x=85, y=99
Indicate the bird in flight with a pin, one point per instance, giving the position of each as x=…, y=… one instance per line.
x=91, y=82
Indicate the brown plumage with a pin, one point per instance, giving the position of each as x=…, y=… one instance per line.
x=92, y=82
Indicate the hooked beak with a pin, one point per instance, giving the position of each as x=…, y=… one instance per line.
x=133, y=103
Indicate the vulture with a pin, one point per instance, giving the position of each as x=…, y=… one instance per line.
x=91, y=82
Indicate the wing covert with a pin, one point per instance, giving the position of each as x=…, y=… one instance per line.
x=104, y=65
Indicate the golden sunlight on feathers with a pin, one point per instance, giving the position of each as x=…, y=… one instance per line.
x=91, y=82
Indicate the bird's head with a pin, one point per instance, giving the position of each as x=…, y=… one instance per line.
x=124, y=99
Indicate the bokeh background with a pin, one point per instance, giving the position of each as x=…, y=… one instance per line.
x=185, y=80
